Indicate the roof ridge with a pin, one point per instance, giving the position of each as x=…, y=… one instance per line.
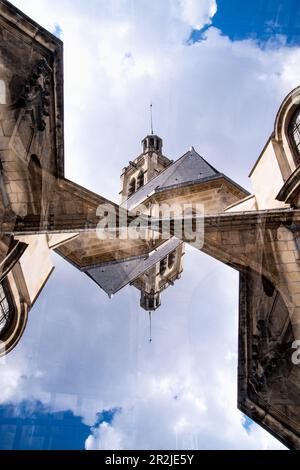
x=167, y=168
x=123, y=276
x=164, y=178
x=212, y=167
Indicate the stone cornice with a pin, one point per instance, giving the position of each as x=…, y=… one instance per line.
x=291, y=188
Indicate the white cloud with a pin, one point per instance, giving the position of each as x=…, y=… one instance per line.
x=105, y=438
x=218, y=95
x=197, y=13
x=10, y=382
x=179, y=392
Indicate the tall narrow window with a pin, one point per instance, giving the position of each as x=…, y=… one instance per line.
x=36, y=179
x=163, y=266
x=6, y=307
x=132, y=187
x=140, y=180
x=294, y=134
x=2, y=92
x=171, y=259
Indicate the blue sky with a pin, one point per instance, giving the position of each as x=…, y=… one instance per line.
x=259, y=20
x=220, y=94
x=30, y=426
x=33, y=426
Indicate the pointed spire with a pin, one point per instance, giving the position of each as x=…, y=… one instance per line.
x=151, y=119
x=150, y=326
x=152, y=142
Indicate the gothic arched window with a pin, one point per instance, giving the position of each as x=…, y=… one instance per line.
x=294, y=134
x=6, y=307
x=2, y=92
x=132, y=187
x=140, y=180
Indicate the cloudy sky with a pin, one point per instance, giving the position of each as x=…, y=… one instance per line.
x=216, y=78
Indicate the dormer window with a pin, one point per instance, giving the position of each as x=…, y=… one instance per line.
x=294, y=134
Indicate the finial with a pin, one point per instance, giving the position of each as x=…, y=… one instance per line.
x=151, y=119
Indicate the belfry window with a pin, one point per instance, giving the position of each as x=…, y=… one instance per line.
x=171, y=259
x=132, y=187
x=140, y=180
x=6, y=307
x=294, y=133
x=163, y=266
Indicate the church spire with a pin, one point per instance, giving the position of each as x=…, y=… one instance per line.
x=150, y=326
x=151, y=118
x=152, y=142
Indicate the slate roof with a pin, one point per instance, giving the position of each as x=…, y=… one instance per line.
x=114, y=276
x=191, y=167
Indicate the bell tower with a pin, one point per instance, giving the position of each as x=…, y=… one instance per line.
x=152, y=143
x=145, y=167
x=159, y=277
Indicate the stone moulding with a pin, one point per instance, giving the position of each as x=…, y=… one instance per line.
x=24, y=28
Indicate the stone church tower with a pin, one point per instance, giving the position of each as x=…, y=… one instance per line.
x=144, y=168
x=162, y=274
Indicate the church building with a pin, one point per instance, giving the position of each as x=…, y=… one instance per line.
x=256, y=234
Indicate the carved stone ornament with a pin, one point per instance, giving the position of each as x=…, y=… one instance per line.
x=36, y=92
x=270, y=359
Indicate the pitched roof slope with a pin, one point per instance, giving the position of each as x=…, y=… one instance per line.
x=191, y=167
x=113, y=277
